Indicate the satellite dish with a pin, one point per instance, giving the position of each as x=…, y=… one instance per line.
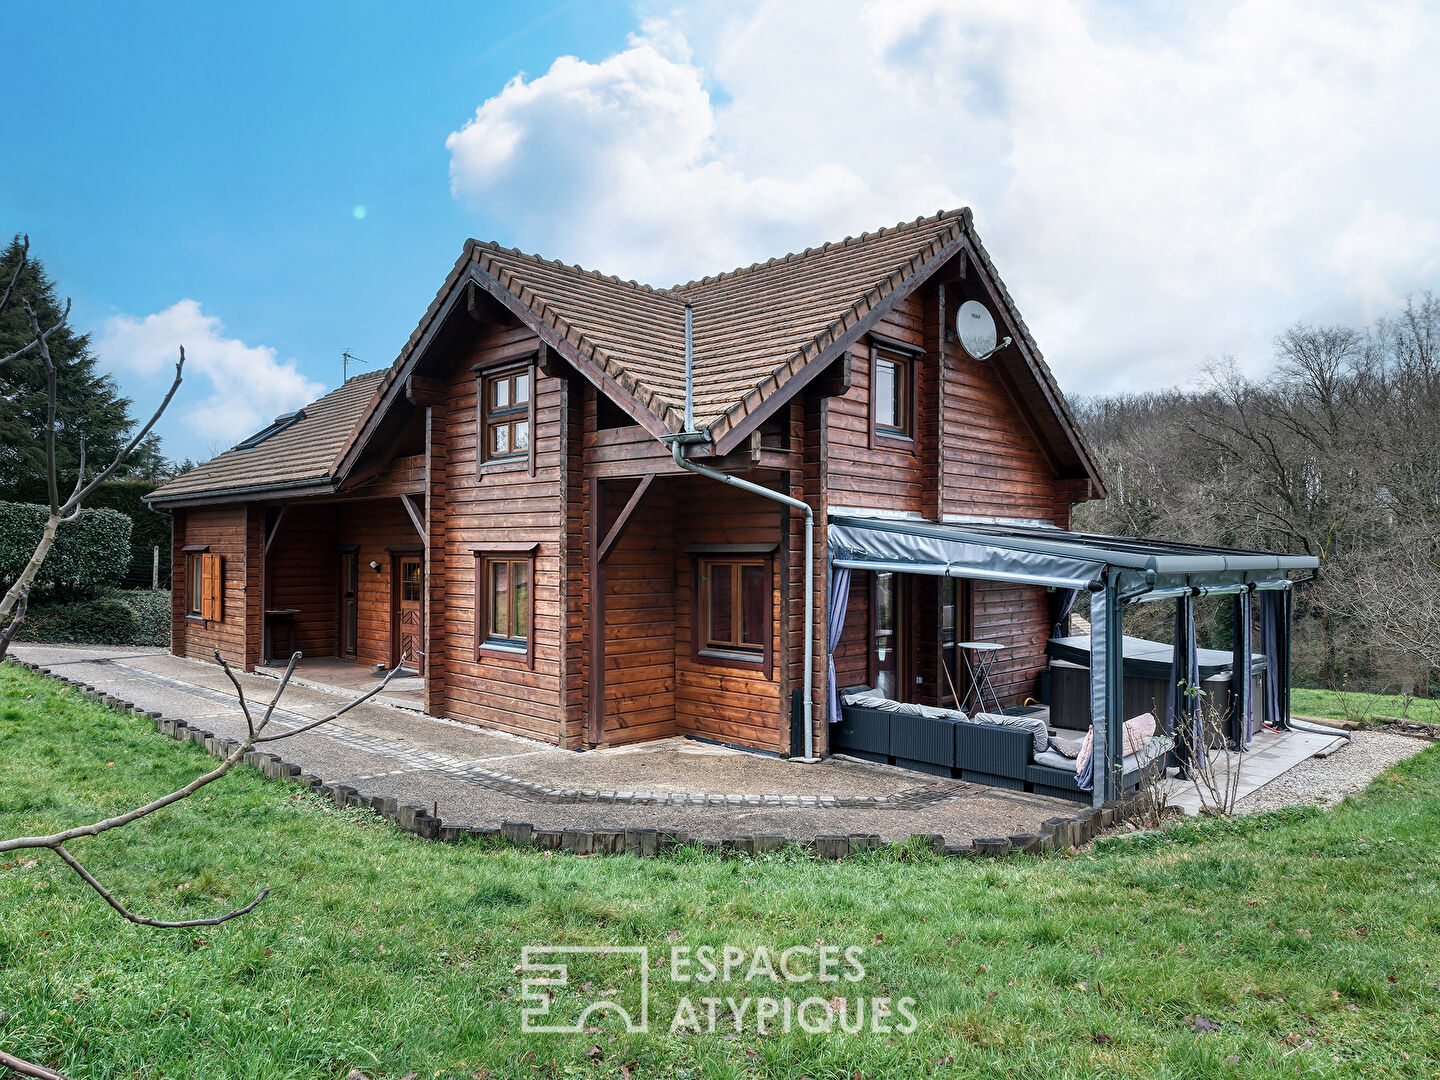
x=975, y=327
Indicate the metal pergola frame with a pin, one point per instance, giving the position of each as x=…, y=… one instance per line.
x=1116, y=570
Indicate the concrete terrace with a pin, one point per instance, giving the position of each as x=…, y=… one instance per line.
x=479, y=778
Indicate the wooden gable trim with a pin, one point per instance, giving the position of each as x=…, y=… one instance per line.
x=552, y=339
x=822, y=360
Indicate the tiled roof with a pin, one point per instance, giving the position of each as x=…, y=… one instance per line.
x=305, y=451
x=754, y=328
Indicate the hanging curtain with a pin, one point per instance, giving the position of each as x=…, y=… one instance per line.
x=1242, y=709
x=1275, y=637
x=1183, y=708
x=1107, y=681
x=839, y=601
x=1062, y=602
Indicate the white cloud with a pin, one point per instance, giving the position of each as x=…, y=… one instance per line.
x=244, y=387
x=1158, y=184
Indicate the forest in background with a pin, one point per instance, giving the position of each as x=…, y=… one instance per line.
x=1334, y=453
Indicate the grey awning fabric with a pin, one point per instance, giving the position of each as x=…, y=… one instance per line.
x=1033, y=554
x=945, y=551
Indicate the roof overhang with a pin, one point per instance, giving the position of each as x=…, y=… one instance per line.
x=295, y=489
x=1053, y=558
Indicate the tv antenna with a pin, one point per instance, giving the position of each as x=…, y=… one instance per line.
x=346, y=359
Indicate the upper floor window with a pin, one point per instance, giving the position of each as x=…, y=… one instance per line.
x=506, y=415
x=892, y=395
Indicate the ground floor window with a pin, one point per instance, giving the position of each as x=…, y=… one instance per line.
x=204, y=585
x=733, y=606
x=504, y=603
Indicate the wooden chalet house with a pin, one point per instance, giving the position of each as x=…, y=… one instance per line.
x=509, y=508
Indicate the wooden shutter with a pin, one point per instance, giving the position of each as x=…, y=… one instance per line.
x=212, y=587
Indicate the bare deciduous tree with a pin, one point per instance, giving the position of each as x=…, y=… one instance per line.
x=1331, y=454
x=13, y=606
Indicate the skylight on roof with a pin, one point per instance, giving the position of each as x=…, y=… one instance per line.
x=280, y=423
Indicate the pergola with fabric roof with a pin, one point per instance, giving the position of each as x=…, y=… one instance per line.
x=1116, y=571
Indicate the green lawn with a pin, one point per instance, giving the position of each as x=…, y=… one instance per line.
x=1308, y=938
x=1347, y=705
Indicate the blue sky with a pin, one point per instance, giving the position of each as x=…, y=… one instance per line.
x=1161, y=186
x=218, y=152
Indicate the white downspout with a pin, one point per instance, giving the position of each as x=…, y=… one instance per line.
x=677, y=447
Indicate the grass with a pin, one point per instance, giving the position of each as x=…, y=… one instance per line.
x=1306, y=938
x=1352, y=705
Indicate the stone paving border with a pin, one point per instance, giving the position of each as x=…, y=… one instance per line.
x=467, y=772
x=1054, y=834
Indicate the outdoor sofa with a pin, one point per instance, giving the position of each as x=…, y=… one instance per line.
x=1011, y=750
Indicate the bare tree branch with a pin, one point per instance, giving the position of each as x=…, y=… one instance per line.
x=27, y=1068
x=105, y=894
x=56, y=841
x=338, y=712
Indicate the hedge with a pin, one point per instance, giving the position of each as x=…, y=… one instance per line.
x=116, y=617
x=150, y=529
x=90, y=553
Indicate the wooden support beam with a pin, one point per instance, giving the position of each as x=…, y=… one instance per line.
x=274, y=529
x=623, y=521
x=595, y=638
x=422, y=391
x=415, y=518
x=548, y=362
x=837, y=380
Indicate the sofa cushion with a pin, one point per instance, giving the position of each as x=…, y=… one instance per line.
x=1137, y=731
x=1153, y=748
x=1034, y=724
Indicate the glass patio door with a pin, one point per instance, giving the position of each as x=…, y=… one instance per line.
x=889, y=642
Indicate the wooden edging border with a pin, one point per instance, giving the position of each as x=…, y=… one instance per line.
x=1054, y=834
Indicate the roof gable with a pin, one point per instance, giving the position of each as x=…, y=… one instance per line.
x=761, y=333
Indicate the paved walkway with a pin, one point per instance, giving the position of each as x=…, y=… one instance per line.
x=1271, y=754
x=482, y=778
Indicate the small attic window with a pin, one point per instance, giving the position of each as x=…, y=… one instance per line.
x=281, y=422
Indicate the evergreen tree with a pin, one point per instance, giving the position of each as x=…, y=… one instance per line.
x=89, y=405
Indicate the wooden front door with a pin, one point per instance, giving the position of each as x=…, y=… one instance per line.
x=349, y=603
x=407, y=635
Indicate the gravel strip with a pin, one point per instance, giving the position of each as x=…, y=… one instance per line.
x=1326, y=781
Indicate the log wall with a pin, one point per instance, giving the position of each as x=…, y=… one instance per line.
x=502, y=503
x=223, y=530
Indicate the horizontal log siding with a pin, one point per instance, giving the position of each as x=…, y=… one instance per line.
x=224, y=530
x=640, y=619
x=992, y=464
x=852, y=656
x=729, y=704
x=304, y=574
x=580, y=419
x=504, y=505
x=885, y=477
x=1017, y=617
